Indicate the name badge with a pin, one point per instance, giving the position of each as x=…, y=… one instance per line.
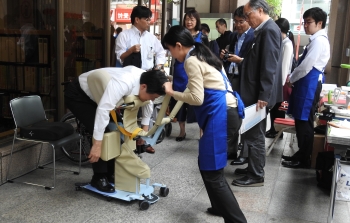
x=150, y=54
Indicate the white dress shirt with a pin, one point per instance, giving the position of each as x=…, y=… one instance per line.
x=124, y=81
x=287, y=52
x=318, y=53
x=149, y=45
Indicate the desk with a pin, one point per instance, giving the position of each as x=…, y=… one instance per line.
x=338, y=148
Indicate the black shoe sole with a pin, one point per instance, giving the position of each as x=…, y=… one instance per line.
x=249, y=185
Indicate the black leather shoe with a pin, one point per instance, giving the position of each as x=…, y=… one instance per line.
x=232, y=156
x=295, y=164
x=213, y=212
x=270, y=131
x=239, y=161
x=180, y=138
x=102, y=184
x=248, y=182
x=272, y=135
x=288, y=158
x=240, y=171
x=110, y=178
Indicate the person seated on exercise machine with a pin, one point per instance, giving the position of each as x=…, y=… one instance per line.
x=95, y=117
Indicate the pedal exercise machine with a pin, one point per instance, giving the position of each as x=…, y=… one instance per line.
x=129, y=168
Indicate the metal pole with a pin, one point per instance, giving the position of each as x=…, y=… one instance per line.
x=60, y=56
x=154, y=16
x=108, y=34
x=164, y=17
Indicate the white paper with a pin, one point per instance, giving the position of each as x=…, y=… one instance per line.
x=252, y=117
x=339, y=132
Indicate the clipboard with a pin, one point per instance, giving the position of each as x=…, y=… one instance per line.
x=252, y=117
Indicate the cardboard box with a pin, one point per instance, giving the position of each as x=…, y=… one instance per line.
x=318, y=147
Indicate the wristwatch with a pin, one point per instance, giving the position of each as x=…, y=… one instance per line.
x=159, y=67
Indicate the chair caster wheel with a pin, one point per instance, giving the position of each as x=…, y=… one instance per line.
x=144, y=205
x=164, y=191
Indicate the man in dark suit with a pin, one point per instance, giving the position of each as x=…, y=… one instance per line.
x=260, y=85
x=239, y=47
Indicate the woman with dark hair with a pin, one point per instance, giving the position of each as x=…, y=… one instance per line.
x=287, y=61
x=215, y=109
x=191, y=22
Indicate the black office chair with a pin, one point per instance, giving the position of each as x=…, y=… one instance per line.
x=32, y=124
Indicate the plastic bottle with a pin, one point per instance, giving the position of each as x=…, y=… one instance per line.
x=330, y=97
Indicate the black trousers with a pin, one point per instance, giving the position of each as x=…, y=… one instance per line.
x=275, y=113
x=84, y=109
x=305, y=131
x=233, y=125
x=221, y=196
x=233, y=121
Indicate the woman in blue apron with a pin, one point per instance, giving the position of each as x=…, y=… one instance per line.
x=213, y=102
x=193, y=24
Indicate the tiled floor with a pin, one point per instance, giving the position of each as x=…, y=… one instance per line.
x=288, y=196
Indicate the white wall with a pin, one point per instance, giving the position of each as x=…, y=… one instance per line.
x=202, y=6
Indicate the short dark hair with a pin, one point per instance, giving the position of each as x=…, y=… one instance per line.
x=119, y=30
x=140, y=12
x=256, y=4
x=221, y=22
x=317, y=14
x=154, y=79
x=205, y=27
x=239, y=12
x=193, y=13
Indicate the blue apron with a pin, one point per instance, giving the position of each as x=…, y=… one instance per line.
x=212, y=119
x=303, y=94
x=180, y=78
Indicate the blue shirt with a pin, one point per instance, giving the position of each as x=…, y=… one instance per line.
x=238, y=47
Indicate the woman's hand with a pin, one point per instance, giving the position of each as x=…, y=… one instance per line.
x=95, y=152
x=168, y=87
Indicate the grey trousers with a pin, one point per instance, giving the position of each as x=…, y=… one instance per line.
x=254, y=141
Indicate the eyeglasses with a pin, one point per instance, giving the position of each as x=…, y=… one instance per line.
x=240, y=22
x=147, y=19
x=307, y=23
x=190, y=20
x=246, y=15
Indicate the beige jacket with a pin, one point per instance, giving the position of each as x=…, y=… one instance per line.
x=201, y=75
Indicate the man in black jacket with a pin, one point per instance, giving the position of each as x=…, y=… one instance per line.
x=226, y=36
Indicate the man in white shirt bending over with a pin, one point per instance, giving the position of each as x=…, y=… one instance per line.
x=95, y=117
x=138, y=47
x=306, y=80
